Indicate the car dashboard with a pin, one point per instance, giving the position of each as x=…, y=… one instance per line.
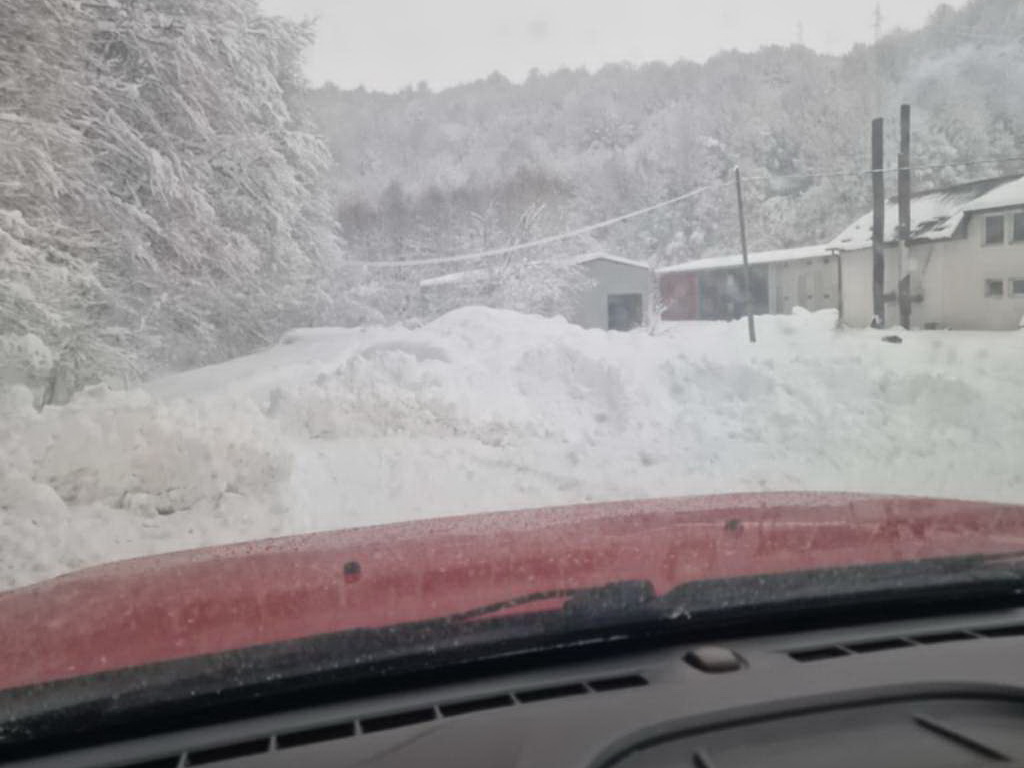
x=910, y=693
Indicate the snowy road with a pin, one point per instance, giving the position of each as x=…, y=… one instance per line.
x=485, y=410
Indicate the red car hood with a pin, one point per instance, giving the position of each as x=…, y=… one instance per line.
x=183, y=605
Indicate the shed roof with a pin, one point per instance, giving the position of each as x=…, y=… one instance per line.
x=454, y=278
x=586, y=258
x=938, y=213
x=736, y=260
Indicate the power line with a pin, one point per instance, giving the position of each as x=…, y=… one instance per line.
x=963, y=164
x=868, y=172
x=535, y=243
x=503, y=251
x=807, y=175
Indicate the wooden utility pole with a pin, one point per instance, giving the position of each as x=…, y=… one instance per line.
x=746, y=260
x=837, y=254
x=878, y=225
x=903, y=288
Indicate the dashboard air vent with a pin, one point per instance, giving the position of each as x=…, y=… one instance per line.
x=476, y=705
x=315, y=735
x=825, y=652
x=166, y=762
x=366, y=725
x=555, y=692
x=617, y=683
x=228, y=752
x=397, y=720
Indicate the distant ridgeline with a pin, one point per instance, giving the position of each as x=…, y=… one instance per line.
x=494, y=162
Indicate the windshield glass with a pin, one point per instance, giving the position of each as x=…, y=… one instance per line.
x=287, y=267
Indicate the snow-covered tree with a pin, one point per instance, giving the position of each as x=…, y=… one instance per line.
x=162, y=204
x=587, y=146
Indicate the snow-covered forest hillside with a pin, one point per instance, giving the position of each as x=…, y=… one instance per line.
x=494, y=162
x=161, y=204
x=172, y=193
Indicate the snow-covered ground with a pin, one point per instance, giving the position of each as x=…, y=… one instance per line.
x=483, y=410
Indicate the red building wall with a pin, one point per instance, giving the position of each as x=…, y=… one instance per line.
x=680, y=295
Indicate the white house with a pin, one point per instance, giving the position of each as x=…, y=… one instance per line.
x=615, y=294
x=965, y=262
x=966, y=258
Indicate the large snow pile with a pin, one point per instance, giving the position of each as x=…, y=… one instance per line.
x=483, y=410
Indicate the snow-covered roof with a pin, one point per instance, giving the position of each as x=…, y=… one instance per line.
x=454, y=278
x=586, y=258
x=936, y=214
x=1005, y=195
x=736, y=260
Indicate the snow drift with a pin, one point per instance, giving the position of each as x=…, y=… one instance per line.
x=485, y=409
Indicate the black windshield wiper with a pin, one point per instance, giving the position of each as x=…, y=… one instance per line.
x=923, y=583
x=609, y=600
x=637, y=600
x=620, y=615
x=122, y=704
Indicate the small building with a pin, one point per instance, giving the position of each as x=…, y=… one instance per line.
x=618, y=294
x=965, y=258
x=615, y=293
x=713, y=289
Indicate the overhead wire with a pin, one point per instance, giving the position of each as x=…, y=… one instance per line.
x=580, y=231
x=887, y=170
x=465, y=257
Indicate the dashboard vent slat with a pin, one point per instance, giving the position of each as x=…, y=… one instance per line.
x=942, y=637
x=376, y=723
x=228, y=752
x=475, y=705
x=617, y=683
x=873, y=646
x=316, y=735
x=163, y=762
x=554, y=692
x=819, y=654
x=826, y=652
x=397, y=720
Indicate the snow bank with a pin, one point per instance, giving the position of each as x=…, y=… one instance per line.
x=485, y=409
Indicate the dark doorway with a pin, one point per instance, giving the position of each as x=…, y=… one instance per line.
x=723, y=292
x=625, y=311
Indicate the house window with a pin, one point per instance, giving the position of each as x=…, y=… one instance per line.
x=1018, y=227
x=994, y=289
x=995, y=227
x=1017, y=287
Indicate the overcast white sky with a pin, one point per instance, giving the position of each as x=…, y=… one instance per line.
x=388, y=44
